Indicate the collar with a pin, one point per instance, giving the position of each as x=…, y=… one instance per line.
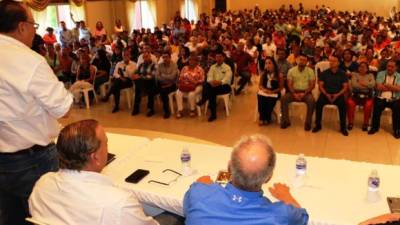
x=247, y=194
x=85, y=176
x=11, y=40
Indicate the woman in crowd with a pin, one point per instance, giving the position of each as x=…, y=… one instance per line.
x=189, y=82
x=271, y=84
x=183, y=57
x=99, y=31
x=362, y=87
x=84, y=77
x=49, y=37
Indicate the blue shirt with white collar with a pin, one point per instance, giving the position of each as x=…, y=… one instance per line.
x=214, y=204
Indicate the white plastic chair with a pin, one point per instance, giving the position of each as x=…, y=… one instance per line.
x=85, y=91
x=128, y=92
x=185, y=95
x=227, y=98
x=104, y=87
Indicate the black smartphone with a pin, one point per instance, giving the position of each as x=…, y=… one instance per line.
x=137, y=176
x=110, y=158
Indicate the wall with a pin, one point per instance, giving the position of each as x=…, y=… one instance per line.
x=381, y=7
x=107, y=12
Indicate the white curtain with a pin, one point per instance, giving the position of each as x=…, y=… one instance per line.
x=40, y=17
x=77, y=11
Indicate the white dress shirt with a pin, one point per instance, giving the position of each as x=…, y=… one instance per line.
x=127, y=69
x=69, y=197
x=31, y=98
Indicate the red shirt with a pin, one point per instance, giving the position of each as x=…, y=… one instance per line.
x=242, y=60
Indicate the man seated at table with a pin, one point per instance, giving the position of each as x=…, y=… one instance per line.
x=388, y=87
x=300, y=82
x=242, y=201
x=78, y=193
x=218, y=83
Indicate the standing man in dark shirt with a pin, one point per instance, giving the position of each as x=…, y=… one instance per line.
x=332, y=85
x=243, y=61
x=144, y=79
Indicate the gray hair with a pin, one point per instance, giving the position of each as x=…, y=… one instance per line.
x=251, y=181
x=76, y=142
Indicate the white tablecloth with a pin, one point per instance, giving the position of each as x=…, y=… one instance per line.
x=335, y=192
x=122, y=146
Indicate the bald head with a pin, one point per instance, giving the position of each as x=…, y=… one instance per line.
x=252, y=162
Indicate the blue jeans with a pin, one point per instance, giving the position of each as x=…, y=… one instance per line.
x=18, y=174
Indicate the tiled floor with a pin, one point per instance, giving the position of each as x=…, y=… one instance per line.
x=358, y=146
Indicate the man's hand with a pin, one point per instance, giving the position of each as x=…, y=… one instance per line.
x=282, y=193
x=205, y=180
x=215, y=83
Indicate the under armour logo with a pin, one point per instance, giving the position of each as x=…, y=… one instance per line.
x=236, y=198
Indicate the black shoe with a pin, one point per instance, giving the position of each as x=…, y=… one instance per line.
x=316, y=129
x=372, y=131
x=150, y=113
x=307, y=127
x=167, y=115
x=115, y=109
x=212, y=118
x=344, y=132
x=350, y=126
x=396, y=134
x=285, y=125
x=135, y=112
x=364, y=127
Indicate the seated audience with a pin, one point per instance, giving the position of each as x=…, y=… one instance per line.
x=189, y=82
x=362, y=89
x=300, y=82
x=333, y=85
x=269, y=90
x=219, y=78
x=167, y=74
x=243, y=62
x=144, y=79
x=241, y=201
x=78, y=193
x=122, y=76
x=388, y=96
x=103, y=66
x=84, y=77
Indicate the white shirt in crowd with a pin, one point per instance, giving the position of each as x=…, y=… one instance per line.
x=388, y=94
x=126, y=69
x=31, y=98
x=70, y=197
x=140, y=59
x=269, y=50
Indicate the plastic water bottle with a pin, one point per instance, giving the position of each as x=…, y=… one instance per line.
x=185, y=160
x=301, y=165
x=373, y=187
x=373, y=181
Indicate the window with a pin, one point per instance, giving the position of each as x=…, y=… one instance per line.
x=51, y=16
x=143, y=15
x=190, y=10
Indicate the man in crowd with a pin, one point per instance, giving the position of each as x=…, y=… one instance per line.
x=333, y=84
x=78, y=193
x=31, y=101
x=243, y=61
x=65, y=36
x=167, y=73
x=300, y=82
x=144, y=79
x=388, y=87
x=121, y=78
x=242, y=201
x=218, y=83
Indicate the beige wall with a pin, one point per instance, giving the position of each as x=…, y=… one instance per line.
x=107, y=12
x=381, y=7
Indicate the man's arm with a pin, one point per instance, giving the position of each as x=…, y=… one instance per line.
x=282, y=193
x=49, y=92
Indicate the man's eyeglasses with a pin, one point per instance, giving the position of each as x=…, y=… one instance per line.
x=168, y=183
x=35, y=25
